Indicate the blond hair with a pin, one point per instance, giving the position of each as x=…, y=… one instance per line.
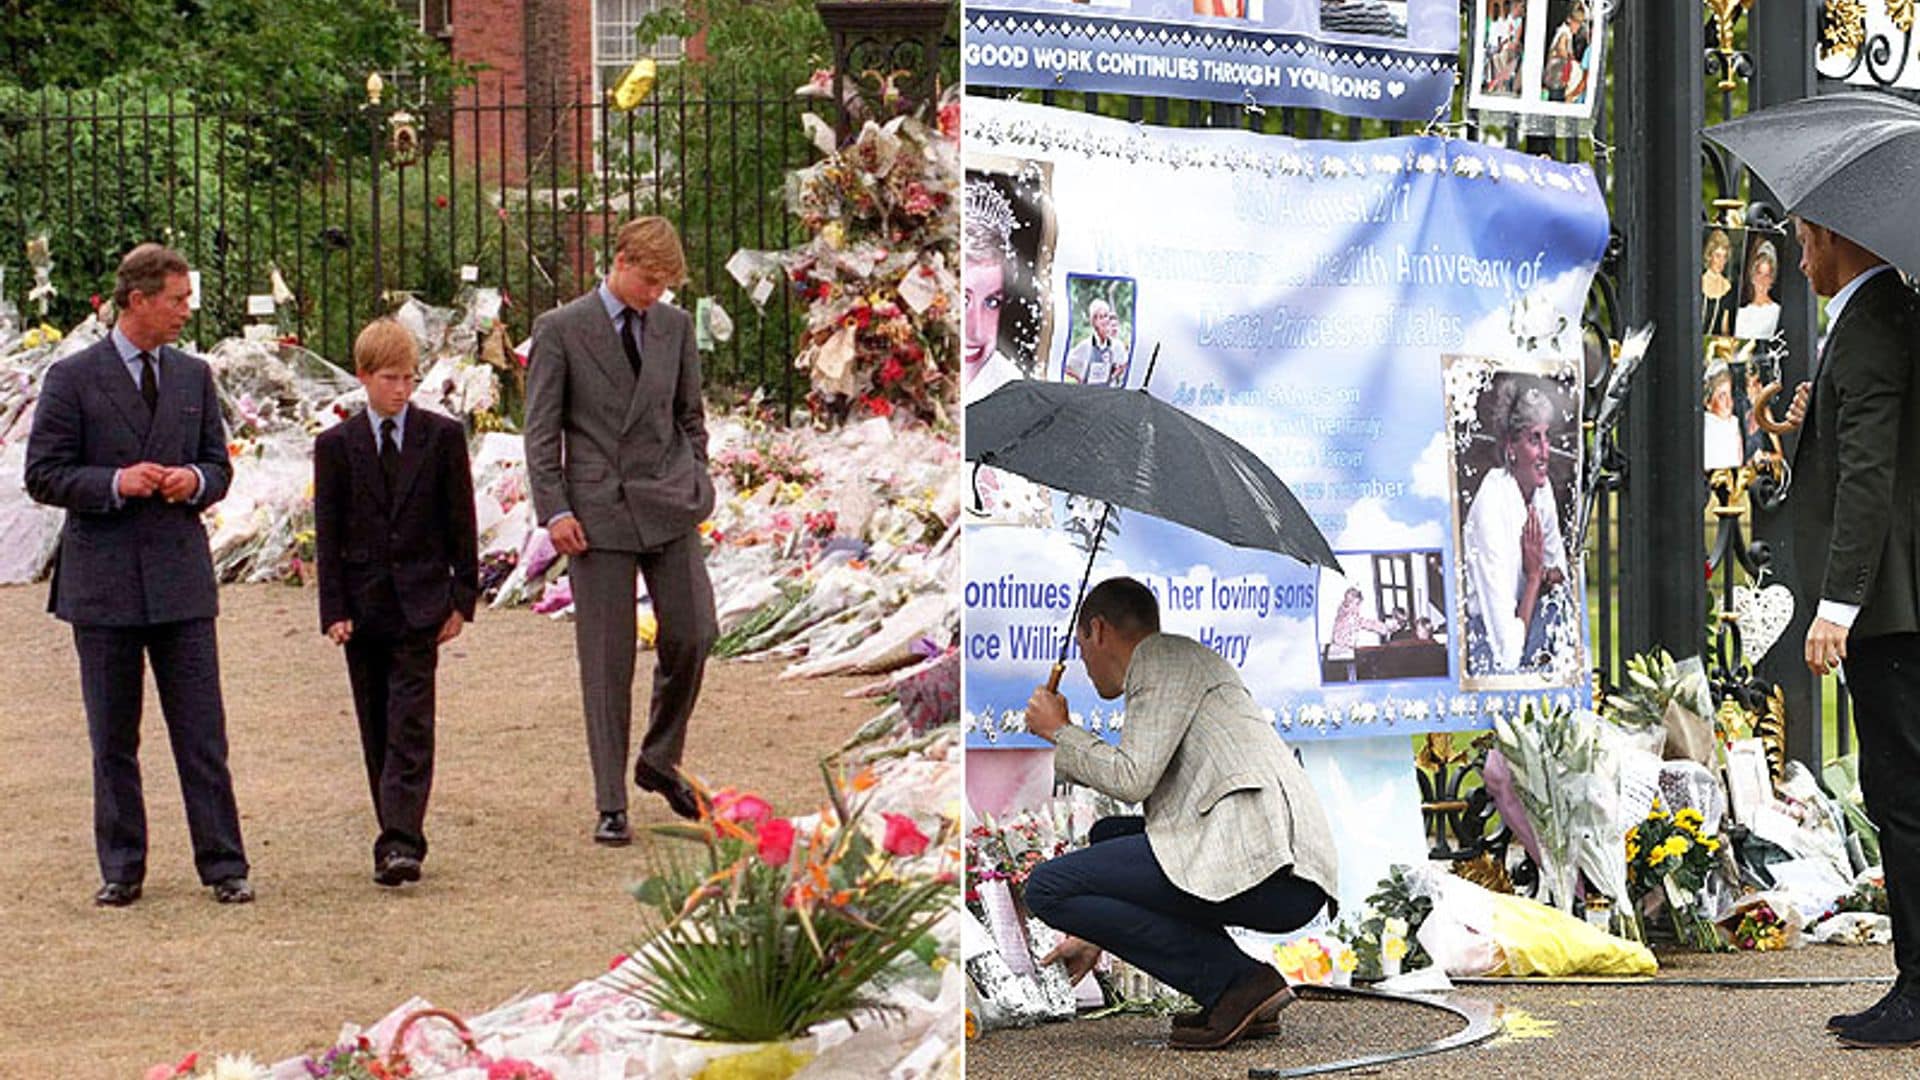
x=651, y=245
x=384, y=344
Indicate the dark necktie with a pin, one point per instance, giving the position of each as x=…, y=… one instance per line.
x=389, y=453
x=631, y=323
x=149, y=384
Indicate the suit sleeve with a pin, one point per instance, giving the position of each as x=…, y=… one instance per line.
x=1159, y=711
x=546, y=410
x=689, y=408
x=1870, y=378
x=463, y=546
x=216, y=470
x=56, y=473
x=332, y=486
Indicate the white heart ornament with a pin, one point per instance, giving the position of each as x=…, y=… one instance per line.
x=1396, y=87
x=1764, y=615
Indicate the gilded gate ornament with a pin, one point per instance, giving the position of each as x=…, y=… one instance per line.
x=1843, y=27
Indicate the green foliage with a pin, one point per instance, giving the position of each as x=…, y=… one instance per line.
x=770, y=930
x=1392, y=899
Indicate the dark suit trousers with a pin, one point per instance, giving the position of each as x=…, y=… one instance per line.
x=604, y=635
x=186, y=670
x=1114, y=894
x=393, y=696
x=1884, y=675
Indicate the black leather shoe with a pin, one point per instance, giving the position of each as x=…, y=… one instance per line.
x=678, y=793
x=1841, y=1023
x=234, y=890
x=1897, y=1027
x=396, y=870
x=1257, y=993
x=117, y=894
x=612, y=830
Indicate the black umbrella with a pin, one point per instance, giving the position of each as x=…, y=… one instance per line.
x=1128, y=448
x=1845, y=161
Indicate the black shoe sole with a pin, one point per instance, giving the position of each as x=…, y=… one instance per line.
x=613, y=841
x=1853, y=1043
x=125, y=902
x=395, y=876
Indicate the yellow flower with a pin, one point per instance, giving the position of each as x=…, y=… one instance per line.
x=1346, y=960
x=1689, y=819
x=1710, y=844
x=1393, y=947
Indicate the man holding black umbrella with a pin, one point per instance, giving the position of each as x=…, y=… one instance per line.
x=1232, y=833
x=1858, y=464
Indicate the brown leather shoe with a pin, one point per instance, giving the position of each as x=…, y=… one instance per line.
x=677, y=792
x=1253, y=996
x=1266, y=1023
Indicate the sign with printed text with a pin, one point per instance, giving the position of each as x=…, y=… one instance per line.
x=1392, y=326
x=1391, y=59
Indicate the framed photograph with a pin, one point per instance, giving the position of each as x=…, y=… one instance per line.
x=1759, y=313
x=1388, y=622
x=1514, y=453
x=1537, y=57
x=1006, y=263
x=1100, y=331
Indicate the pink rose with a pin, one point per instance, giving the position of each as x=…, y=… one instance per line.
x=731, y=805
x=776, y=842
x=903, y=836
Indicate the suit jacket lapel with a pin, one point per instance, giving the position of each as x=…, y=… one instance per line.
x=119, y=388
x=365, y=462
x=175, y=394
x=603, y=344
x=655, y=359
x=413, y=450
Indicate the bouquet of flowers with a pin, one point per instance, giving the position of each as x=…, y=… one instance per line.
x=1008, y=851
x=1383, y=942
x=1757, y=927
x=1667, y=857
x=1869, y=893
x=783, y=923
x=1316, y=960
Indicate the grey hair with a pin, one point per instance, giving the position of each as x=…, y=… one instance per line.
x=1518, y=405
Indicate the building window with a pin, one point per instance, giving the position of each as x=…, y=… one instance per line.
x=614, y=46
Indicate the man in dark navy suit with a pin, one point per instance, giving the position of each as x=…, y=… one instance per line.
x=399, y=575
x=1857, y=543
x=127, y=438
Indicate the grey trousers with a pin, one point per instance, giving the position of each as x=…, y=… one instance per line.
x=604, y=637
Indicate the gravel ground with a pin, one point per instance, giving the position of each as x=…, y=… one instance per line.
x=1562, y=1031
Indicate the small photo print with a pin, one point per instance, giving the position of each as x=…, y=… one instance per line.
x=1100, y=320
x=1515, y=448
x=1759, y=314
x=1719, y=290
x=1500, y=37
x=1388, y=622
x=1374, y=18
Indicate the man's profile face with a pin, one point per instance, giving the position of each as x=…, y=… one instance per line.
x=633, y=285
x=158, y=317
x=1101, y=652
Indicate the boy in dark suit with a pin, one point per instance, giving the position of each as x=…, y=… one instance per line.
x=399, y=575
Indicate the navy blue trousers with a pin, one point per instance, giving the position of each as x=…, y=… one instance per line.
x=1114, y=894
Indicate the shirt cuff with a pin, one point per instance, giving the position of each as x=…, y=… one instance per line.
x=1836, y=612
x=558, y=518
x=114, y=499
x=200, y=487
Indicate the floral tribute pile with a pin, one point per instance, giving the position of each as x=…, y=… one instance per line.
x=877, y=272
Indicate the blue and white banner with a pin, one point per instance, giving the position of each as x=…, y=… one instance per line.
x=1393, y=326
x=1389, y=59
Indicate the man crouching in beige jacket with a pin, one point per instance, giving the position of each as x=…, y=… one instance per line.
x=1232, y=834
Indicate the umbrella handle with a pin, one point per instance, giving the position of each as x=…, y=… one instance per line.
x=1053, y=678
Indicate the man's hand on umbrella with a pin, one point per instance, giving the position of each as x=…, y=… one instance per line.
x=1046, y=713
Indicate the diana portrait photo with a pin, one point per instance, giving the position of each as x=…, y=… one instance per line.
x=1388, y=621
x=1006, y=254
x=1515, y=444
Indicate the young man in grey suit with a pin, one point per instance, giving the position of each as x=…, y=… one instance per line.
x=127, y=438
x=1232, y=833
x=1857, y=479
x=616, y=440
